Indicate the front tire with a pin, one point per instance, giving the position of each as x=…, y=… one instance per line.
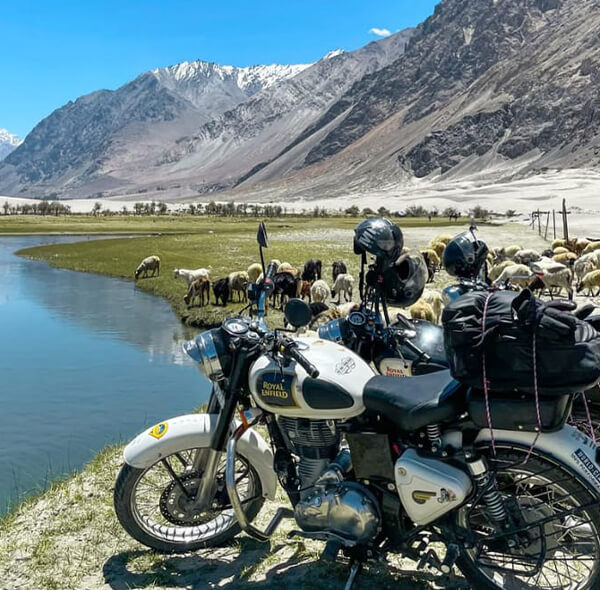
x=151, y=506
x=566, y=549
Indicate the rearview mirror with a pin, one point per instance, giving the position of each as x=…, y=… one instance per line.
x=297, y=313
x=261, y=236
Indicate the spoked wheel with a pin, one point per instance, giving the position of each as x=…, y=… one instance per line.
x=556, y=524
x=156, y=505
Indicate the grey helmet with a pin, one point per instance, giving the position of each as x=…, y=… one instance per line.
x=380, y=237
x=404, y=281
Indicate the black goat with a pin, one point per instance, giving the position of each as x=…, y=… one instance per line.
x=430, y=267
x=286, y=286
x=312, y=270
x=338, y=268
x=221, y=291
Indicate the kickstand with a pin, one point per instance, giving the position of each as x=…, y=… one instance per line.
x=355, y=569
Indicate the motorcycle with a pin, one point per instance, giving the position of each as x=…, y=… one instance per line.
x=406, y=347
x=371, y=465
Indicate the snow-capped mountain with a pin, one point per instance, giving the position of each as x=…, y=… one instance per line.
x=8, y=142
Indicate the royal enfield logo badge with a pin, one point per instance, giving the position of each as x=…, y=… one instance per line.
x=420, y=497
x=276, y=389
x=159, y=430
x=345, y=366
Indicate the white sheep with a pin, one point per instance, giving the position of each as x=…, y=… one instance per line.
x=238, y=282
x=561, y=279
x=343, y=283
x=507, y=253
x=590, y=280
x=319, y=291
x=497, y=269
x=189, y=276
x=151, y=263
x=526, y=256
x=591, y=247
x=517, y=274
x=587, y=263
x=434, y=298
x=254, y=271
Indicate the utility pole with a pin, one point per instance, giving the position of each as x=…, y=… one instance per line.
x=554, y=224
x=565, y=222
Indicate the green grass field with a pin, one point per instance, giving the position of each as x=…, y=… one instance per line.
x=231, y=246
x=130, y=224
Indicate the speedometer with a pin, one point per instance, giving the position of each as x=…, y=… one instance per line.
x=235, y=326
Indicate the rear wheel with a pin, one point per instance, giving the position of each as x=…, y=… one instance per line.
x=556, y=544
x=155, y=505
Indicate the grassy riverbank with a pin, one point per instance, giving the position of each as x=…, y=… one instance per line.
x=69, y=539
x=229, y=246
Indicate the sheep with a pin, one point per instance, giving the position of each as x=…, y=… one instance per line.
x=433, y=257
x=560, y=250
x=548, y=253
x=437, y=247
x=591, y=247
x=566, y=259
x=434, y=298
x=344, y=283
x=189, y=276
x=312, y=270
x=443, y=238
x=338, y=268
x=590, y=280
x=287, y=267
x=198, y=289
x=558, y=243
x=545, y=264
x=516, y=274
x=560, y=279
x=430, y=267
x=305, y=290
x=526, y=256
x=332, y=313
x=587, y=263
x=151, y=263
x=421, y=310
x=254, y=271
x=286, y=286
x=507, y=253
x=221, y=291
x=319, y=291
x=345, y=308
x=580, y=245
x=497, y=269
x=238, y=282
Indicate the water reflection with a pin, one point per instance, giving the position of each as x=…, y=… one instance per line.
x=84, y=361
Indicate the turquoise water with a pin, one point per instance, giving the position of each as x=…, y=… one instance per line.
x=85, y=360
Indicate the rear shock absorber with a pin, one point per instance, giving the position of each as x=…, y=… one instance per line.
x=489, y=490
x=434, y=434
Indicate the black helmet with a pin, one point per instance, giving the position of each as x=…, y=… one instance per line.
x=380, y=237
x=404, y=281
x=465, y=255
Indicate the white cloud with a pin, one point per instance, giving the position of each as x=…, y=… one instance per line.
x=380, y=32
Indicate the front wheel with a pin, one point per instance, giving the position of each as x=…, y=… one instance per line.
x=155, y=505
x=556, y=544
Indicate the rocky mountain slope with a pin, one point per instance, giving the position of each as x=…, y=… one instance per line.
x=80, y=144
x=483, y=88
x=486, y=87
x=8, y=143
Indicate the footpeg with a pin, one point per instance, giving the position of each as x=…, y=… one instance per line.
x=330, y=553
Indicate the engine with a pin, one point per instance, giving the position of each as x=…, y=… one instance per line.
x=330, y=507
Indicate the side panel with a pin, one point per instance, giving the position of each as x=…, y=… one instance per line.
x=568, y=446
x=194, y=431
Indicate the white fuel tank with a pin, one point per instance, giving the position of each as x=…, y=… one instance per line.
x=337, y=393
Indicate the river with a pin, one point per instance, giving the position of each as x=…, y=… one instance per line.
x=85, y=361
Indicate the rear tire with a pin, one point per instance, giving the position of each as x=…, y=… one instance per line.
x=571, y=555
x=156, y=523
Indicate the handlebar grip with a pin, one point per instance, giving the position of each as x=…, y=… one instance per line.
x=304, y=362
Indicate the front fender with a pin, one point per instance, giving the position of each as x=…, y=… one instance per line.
x=194, y=431
x=568, y=446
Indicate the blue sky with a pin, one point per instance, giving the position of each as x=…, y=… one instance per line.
x=53, y=52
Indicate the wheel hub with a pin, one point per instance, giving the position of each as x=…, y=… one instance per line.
x=178, y=507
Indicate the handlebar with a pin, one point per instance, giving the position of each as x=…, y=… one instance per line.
x=290, y=349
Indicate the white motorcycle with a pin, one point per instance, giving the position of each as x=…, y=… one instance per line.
x=371, y=465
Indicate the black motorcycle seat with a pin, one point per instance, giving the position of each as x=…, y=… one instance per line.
x=414, y=402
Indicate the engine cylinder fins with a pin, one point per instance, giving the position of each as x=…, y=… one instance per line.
x=303, y=432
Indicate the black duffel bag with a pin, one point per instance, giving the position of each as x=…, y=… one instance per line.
x=522, y=344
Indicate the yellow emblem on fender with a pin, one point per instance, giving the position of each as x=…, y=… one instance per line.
x=159, y=430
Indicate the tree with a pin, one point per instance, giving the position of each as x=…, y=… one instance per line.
x=162, y=208
x=353, y=211
x=368, y=211
x=383, y=212
x=510, y=213
x=479, y=212
x=6, y=207
x=96, y=208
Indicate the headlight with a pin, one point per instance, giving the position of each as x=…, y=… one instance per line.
x=209, y=350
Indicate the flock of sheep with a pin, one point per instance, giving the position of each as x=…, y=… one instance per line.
x=554, y=270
